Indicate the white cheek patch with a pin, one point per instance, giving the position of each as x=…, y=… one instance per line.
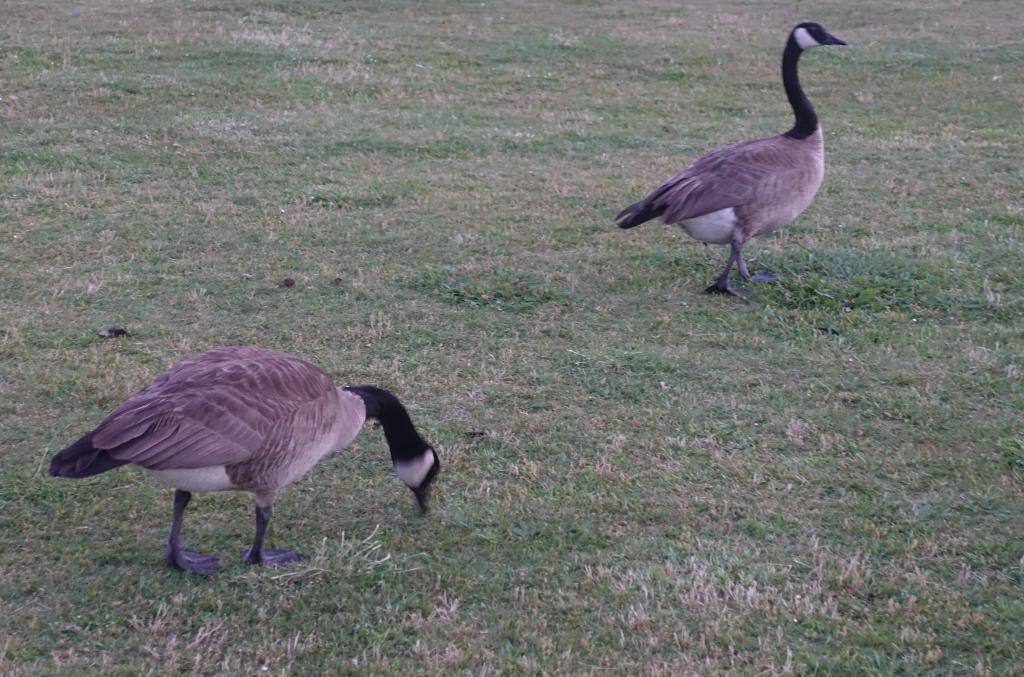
x=804, y=39
x=412, y=472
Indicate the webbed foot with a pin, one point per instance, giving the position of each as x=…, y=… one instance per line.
x=724, y=288
x=194, y=562
x=272, y=558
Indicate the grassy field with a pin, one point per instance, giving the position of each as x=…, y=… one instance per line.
x=638, y=477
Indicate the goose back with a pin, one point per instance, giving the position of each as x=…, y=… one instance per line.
x=739, y=190
x=231, y=418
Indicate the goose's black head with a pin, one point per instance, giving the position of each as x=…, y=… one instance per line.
x=423, y=469
x=810, y=34
x=416, y=463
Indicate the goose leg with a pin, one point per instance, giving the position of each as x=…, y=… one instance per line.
x=763, y=276
x=187, y=560
x=257, y=554
x=721, y=285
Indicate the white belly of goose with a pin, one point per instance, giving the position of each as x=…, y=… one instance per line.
x=213, y=478
x=715, y=228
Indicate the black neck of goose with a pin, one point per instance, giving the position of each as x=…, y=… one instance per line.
x=806, y=118
x=404, y=441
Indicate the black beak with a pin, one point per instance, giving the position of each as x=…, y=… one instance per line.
x=832, y=40
x=422, y=493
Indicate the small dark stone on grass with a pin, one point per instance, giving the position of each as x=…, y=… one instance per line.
x=287, y=282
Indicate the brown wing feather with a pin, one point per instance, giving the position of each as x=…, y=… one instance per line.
x=730, y=176
x=217, y=408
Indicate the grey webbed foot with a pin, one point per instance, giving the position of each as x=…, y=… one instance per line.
x=763, y=276
x=194, y=562
x=257, y=554
x=272, y=558
x=721, y=285
x=724, y=288
x=186, y=560
x=741, y=265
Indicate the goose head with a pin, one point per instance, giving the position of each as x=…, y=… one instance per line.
x=415, y=461
x=418, y=473
x=810, y=34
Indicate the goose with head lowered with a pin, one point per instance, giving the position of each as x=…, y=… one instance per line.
x=747, y=188
x=243, y=418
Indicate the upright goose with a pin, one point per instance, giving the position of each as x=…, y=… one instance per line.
x=747, y=188
x=243, y=419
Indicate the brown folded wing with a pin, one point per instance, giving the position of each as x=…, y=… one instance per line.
x=728, y=177
x=216, y=409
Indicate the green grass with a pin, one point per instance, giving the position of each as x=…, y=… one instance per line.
x=638, y=477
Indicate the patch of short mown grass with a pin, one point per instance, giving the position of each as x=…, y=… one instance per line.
x=869, y=282
x=503, y=289
x=638, y=477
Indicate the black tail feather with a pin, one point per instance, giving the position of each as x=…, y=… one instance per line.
x=82, y=459
x=638, y=213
